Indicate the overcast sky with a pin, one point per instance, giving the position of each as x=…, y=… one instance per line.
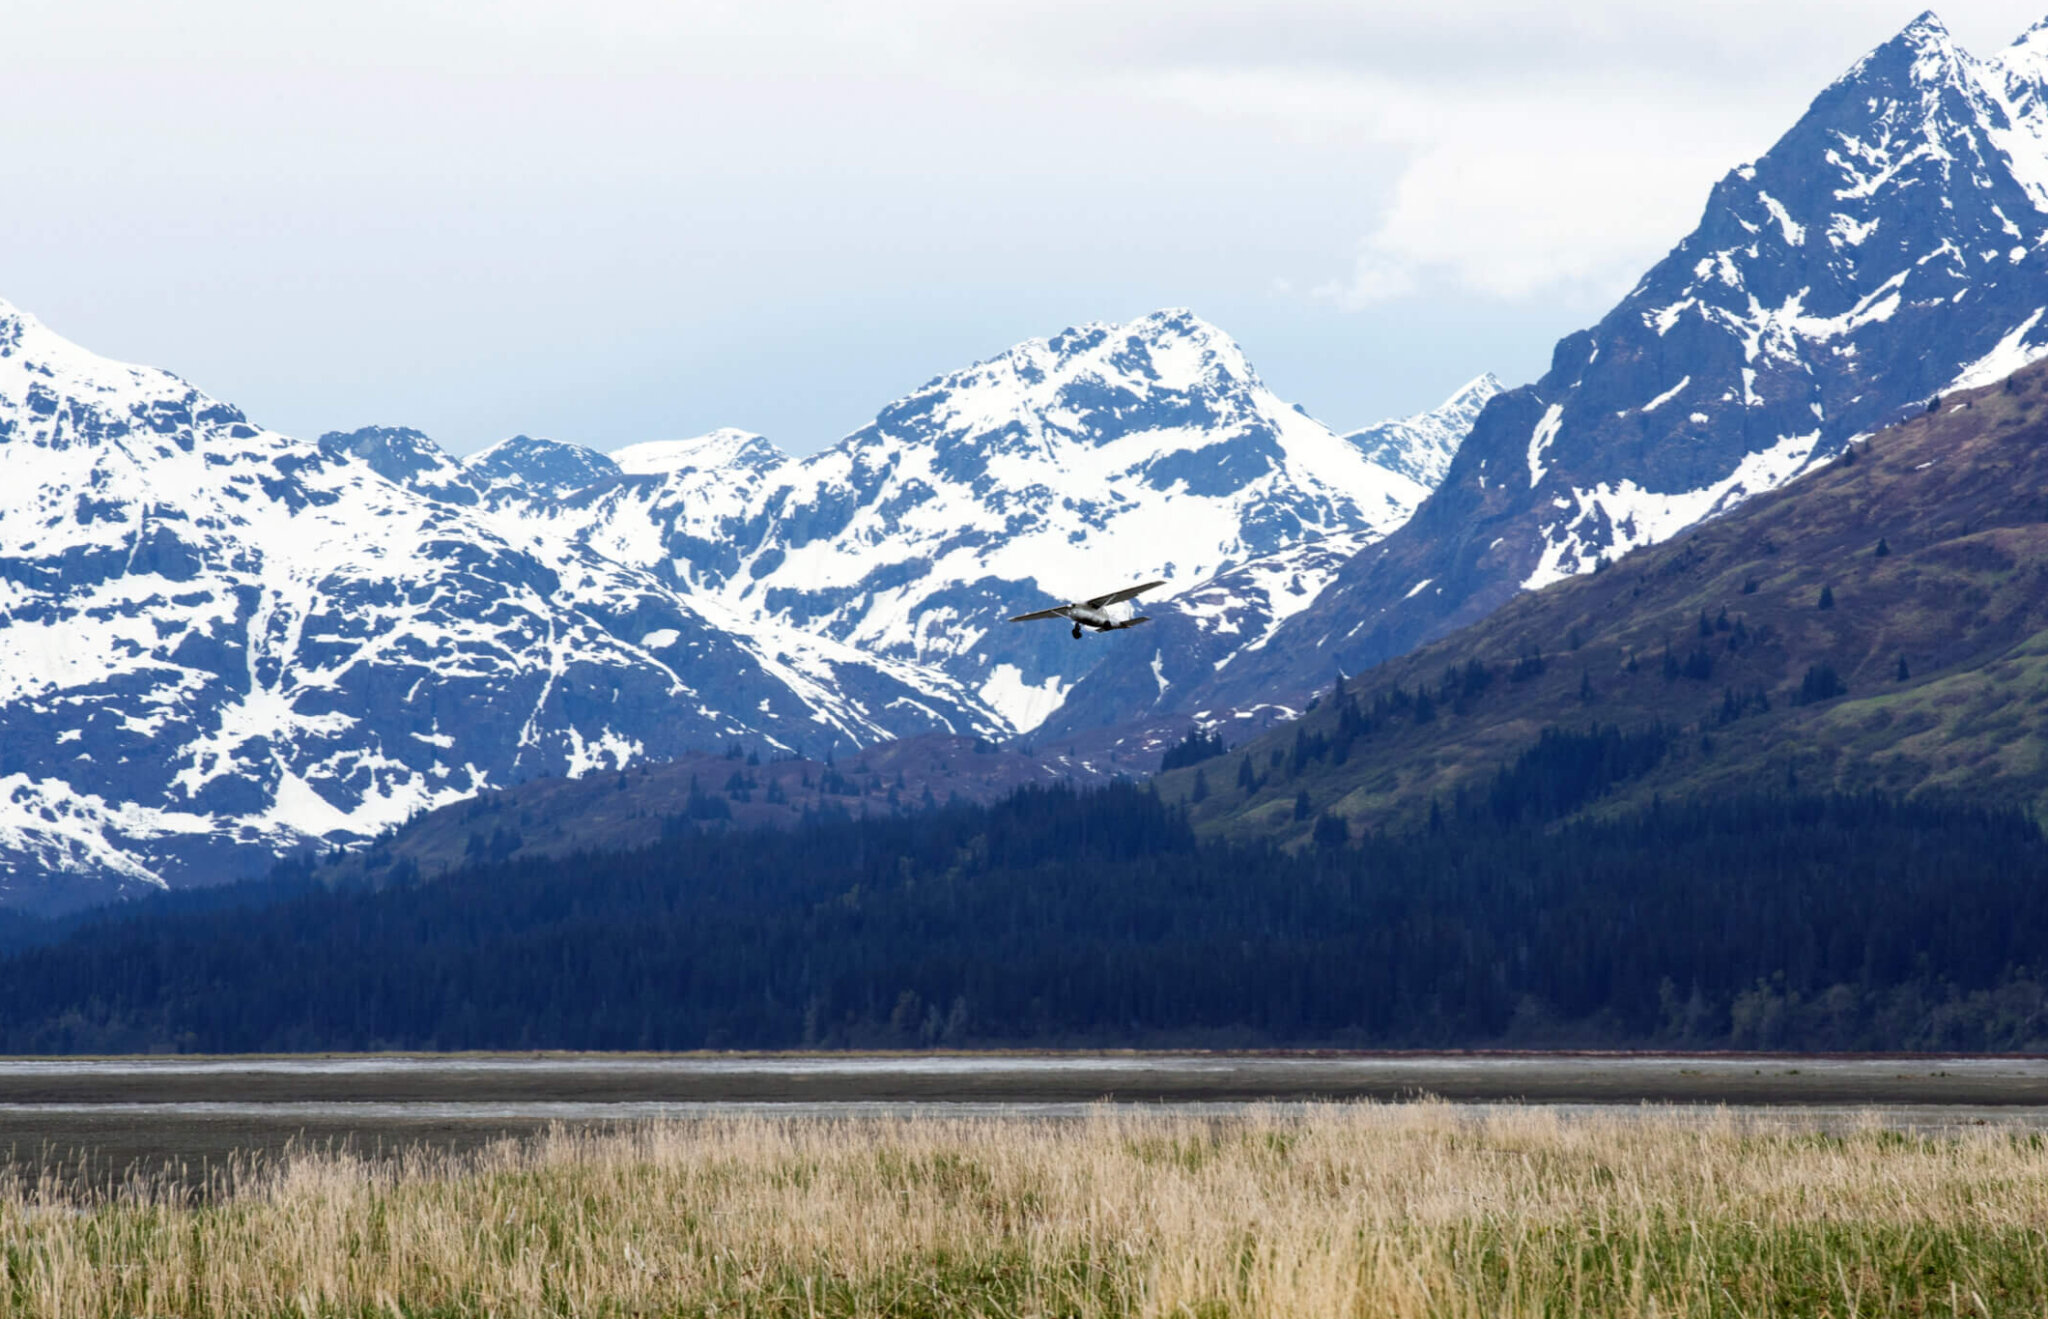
x=618, y=222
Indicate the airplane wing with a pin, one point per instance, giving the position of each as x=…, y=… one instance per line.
x=1114, y=596
x=1060, y=612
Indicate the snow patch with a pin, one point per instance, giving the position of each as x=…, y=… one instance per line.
x=2011, y=353
x=1539, y=440
x=1639, y=517
x=1795, y=233
x=1667, y=395
x=1023, y=705
x=720, y=448
x=1848, y=231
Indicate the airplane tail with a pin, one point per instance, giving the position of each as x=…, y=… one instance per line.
x=1133, y=622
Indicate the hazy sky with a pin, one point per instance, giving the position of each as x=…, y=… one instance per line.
x=618, y=222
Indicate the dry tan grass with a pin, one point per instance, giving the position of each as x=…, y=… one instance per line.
x=1403, y=1210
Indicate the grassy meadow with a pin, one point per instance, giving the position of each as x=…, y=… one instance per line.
x=1361, y=1210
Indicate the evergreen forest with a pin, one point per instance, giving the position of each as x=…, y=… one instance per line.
x=1063, y=917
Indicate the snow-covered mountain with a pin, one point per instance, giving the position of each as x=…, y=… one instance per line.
x=524, y=469
x=1421, y=447
x=217, y=642
x=1055, y=470
x=724, y=448
x=1891, y=246
x=1211, y=625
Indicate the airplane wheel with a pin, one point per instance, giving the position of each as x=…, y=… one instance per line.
x=1077, y=631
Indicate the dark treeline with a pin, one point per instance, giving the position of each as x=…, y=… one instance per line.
x=1067, y=918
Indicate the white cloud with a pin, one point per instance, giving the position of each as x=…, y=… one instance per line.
x=1507, y=191
x=1560, y=149
x=647, y=217
x=1549, y=198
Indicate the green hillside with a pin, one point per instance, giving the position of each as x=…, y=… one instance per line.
x=1881, y=623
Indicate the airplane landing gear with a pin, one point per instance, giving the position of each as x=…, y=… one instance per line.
x=1077, y=631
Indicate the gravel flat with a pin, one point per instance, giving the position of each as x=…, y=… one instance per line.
x=96, y=1118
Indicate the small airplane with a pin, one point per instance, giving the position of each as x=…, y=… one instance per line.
x=1089, y=613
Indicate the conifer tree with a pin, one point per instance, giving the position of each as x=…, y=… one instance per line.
x=1302, y=810
x=1827, y=597
x=1883, y=548
x=1904, y=672
x=1821, y=683
x=1331, y=831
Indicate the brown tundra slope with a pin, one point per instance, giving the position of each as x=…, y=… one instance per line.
x=1881, y=623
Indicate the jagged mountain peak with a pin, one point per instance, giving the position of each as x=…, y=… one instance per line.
x=541, y=467
x=2026, y=46
x=1924, y=31
x=1475, y=392
x=726, y=447
x=46, y=373
x=1421, y=447
x=1171, y=349
x=405, y=456
x=1923, y=52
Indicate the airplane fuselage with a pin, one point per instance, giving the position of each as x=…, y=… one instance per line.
x=1101, y=620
